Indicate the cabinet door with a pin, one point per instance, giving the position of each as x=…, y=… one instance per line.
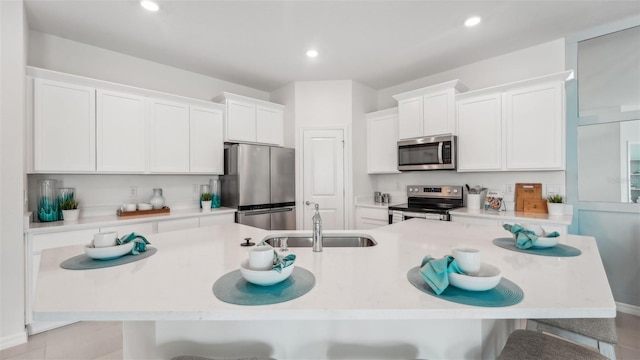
x=217, y=219
x=438, y=114
x=269, y=126
x=169, y=137
x=240, y=121
x=64, y=127
x=535, y=128
x=410, y=117
x=206, y=140
x=382, y=145
x=120, y=132
x=480, y=133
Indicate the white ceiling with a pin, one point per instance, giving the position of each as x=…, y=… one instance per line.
x=262, y=44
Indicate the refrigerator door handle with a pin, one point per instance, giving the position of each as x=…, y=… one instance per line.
x=281, y=210
x=252, y=213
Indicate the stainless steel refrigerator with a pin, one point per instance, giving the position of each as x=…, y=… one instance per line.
x=259, y=181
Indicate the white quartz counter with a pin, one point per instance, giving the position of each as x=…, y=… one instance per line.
x=351, y=283
x=515, y=216
x=114, y=220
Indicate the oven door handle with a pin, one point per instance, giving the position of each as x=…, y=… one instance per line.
x=440, y=152
x=414, y=215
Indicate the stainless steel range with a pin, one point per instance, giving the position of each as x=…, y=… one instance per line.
x=427, y=202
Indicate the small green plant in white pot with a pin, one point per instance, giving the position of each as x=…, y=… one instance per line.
x=70, y=211
x=555, y=205
x=205, y=199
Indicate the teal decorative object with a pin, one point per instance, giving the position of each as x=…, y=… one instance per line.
x=559, y=250
x=48, y=205
x=84, y=262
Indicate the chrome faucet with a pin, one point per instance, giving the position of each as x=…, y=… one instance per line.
x=317, y=228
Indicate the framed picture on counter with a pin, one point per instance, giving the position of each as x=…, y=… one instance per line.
x=494, y=200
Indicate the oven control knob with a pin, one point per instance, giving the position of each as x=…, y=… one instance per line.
x=449, y=191
x=455, y=191
x=410, y=189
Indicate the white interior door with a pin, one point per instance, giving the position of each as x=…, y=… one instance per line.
x=323, y=177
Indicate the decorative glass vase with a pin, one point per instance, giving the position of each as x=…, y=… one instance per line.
x=157, y=200
x=215, y=193
x=48, y=206
x=64, y=194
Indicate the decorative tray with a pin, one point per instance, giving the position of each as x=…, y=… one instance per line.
x=164, y=210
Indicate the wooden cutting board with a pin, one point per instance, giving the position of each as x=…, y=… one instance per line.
x=532, y=191
x=535, y=206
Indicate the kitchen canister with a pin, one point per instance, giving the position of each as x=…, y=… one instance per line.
x=48, y=205
x=157, y=200
x=214, y=185
x=377, y=197
x=476, y=201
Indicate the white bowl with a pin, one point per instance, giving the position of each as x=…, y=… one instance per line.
x=546, y=242
x=144, y=206
x=109, y=252
x=264, y=277
x=488, y=278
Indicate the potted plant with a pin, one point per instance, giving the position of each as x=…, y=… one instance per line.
x=205, y=200
x=555, y=205
x=70, y=211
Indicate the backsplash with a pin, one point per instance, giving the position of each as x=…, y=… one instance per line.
x=101, y=195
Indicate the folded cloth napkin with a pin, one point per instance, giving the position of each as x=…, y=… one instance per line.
x=140, y=242
x=525, y=238
x=436, y=272
x=280, y=262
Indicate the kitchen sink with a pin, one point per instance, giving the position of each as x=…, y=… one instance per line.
x=328, y=240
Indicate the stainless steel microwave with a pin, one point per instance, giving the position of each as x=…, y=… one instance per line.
x=427, y=153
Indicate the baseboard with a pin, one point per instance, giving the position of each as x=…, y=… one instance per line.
x=628, y=309
x=13, y=340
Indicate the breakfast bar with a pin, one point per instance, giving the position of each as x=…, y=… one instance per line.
x=361, y=306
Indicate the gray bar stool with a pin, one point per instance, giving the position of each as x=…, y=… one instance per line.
x=531, y=345
x=597, y=333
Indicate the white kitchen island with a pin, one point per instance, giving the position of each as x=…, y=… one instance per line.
x=362, y=305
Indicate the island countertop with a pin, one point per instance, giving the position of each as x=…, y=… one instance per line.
x=351, y=283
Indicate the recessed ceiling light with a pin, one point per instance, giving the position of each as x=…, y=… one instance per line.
x=150, y=5
x=472, y=21
x=312, y=53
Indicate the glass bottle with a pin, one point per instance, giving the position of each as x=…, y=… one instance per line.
x=215, y=193
x=204, y=189
x=64, y=194
x=48, y=207
x=157, y=200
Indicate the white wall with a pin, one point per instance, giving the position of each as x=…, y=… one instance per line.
x=13, y=43
x=55, y=53
x=364, y=101
x=527, y=63
x=323, y=103
x=523, y=64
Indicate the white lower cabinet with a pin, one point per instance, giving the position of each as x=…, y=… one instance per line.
x=217, y=219
x=35, y=245
x=369, y=218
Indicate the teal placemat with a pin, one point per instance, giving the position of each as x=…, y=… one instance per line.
x=232, y=288
x=84, y=262
x=505, y=294
x=559, y=250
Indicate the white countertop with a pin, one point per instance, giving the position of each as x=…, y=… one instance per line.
x=114, y=220
x=513, y=216
x=351, y=283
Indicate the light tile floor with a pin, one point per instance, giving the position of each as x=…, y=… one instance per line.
x=103, y=341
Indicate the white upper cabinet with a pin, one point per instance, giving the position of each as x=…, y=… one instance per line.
x=168, y=137
x=429, y=111
x=480, y=133
x=120, y=132
x=535, y=127
x=252, y=121
x=382, y=142
x=206, y=140
x=513, y=127
x=64, y=127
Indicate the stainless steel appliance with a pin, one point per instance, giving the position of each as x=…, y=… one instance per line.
x=427, y=153
x=427, y=202
x=259, y=181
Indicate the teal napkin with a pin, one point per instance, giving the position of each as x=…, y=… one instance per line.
x=140, y=242
x=436, y=272
x=525, y=238
x=280, y=262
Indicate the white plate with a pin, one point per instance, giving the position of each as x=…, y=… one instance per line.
x=546, y=242
x=108, y=252
x=488, y=278
x=264, y=277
